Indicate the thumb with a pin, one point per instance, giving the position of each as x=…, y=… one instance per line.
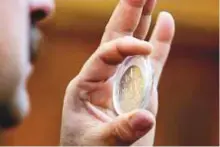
x=124, y=130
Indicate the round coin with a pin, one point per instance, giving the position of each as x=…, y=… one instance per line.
x=131, y=89
x=133, y=85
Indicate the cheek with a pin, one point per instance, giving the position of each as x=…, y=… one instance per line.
x=14, y=42
x=13, y=93
x=14, y=55
x=13, y=77
x=13, y=46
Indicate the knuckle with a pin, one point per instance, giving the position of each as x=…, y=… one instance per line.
x=123, y=133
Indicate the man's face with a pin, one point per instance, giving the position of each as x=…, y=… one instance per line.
x=18, y=36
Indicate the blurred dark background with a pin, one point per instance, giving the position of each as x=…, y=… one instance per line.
x=188, y=91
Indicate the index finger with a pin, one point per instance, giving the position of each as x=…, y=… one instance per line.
x=124, y=20
x=161, y=39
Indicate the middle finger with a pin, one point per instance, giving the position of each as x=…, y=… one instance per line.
x=145, y=20
x=124, y=20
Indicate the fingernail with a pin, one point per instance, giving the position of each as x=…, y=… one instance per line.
x=141, y=123
x=149, y=6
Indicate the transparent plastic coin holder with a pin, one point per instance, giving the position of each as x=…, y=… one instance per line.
x=141, y=63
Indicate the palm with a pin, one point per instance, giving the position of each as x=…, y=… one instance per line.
x=102, y=101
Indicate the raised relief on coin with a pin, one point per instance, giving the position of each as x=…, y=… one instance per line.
x=131, y=89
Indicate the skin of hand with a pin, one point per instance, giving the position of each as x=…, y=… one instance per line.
x=88, y=115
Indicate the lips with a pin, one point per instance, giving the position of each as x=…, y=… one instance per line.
x=45, y=7
x=35, y=37
x=39, y=9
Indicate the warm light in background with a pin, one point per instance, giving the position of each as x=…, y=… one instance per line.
x=199, y=13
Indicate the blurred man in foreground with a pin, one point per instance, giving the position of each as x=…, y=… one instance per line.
x=88, y=115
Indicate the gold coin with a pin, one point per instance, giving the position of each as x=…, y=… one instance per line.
x=131, y=89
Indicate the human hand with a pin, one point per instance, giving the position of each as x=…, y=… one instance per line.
x=88, y=115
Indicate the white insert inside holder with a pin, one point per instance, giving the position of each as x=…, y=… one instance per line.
x=142, y=64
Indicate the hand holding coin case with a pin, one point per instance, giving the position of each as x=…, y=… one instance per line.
x=118, y=77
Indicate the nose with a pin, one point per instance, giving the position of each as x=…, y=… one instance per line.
x=40, y=9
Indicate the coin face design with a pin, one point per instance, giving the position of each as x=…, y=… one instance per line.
x=131, y=89
x=133, y=84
